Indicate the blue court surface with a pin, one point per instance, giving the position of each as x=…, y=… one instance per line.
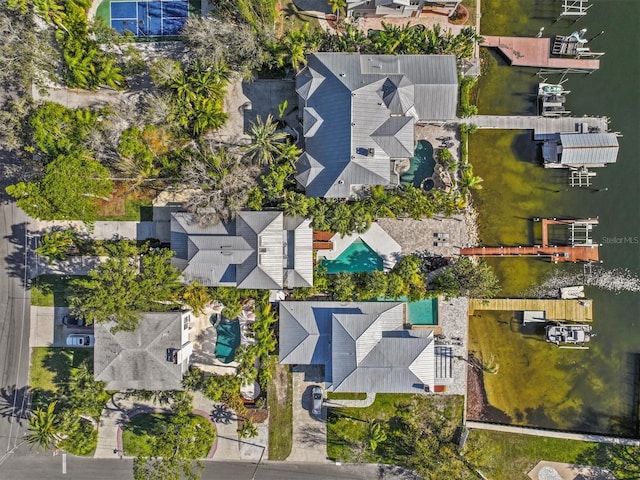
x=150, y=18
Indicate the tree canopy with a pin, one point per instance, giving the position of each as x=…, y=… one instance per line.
x=131, y=281
x=69, y=190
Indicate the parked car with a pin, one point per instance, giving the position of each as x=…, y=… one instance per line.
x=80, y=340
x=73, y=321
x=316, y=395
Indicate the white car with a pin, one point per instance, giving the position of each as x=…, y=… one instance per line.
x=316, y=395
x=80, y=340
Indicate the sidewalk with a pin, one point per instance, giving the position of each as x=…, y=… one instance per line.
x=101, y=230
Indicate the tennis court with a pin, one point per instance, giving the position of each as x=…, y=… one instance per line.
x=150, y=18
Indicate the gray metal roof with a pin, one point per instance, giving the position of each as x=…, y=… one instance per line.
x=588, y=148
x=139, y=360
x=363, y=346
x=251, y=252
x=347, y=97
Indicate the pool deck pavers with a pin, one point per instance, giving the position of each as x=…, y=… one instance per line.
x=417, y=236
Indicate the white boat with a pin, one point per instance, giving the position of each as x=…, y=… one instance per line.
x=549, y=89
x=566, y=334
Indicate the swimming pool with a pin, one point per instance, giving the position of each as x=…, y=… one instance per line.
x=422, y=165
x=357, y=257
x=424, y=312
x=228, y=340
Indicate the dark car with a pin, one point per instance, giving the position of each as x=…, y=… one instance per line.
x=73, y=321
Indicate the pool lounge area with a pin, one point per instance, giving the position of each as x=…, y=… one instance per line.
x=360, y=252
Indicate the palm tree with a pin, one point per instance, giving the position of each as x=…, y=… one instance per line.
x=43, y=428
x=376, y=435
x=55, y=245
x=468, y=181
x=110, y=74
x=248, y=430
x=337, y=7
x=266, y=143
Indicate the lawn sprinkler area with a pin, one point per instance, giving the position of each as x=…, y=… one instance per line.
x=357, y=257
x=422, y=165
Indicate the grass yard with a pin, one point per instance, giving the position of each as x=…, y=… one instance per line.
x=280, y=413
x=346, y=396
x=348, y=428
x=508, y=456
x=291, y=17
x=50, y=368
x=139, y=433
x=51, y=290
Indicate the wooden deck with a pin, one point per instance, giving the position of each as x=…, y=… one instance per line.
x=556, y=309
x=557, y=254
x=536, y=52
x=541, y=126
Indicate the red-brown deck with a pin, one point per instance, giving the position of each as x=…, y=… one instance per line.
x=556, y=254
x=322, y=240
x=535, y=52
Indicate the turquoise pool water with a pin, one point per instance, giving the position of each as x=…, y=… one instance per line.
x=358, y=257
x=422, y=165
x=228, y=340
x=424, y=312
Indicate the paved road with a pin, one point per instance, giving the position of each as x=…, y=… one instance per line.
x=50, y=468
x=14, y=328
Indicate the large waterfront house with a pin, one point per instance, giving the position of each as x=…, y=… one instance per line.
x=153, y=357
x=400, y=8
x=359, y=113
x=265, y=250
x=363, y=346
x=576, y=150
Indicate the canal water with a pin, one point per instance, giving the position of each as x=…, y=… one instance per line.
x=593, y=390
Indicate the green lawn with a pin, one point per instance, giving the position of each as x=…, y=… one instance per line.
x=50, y=367
x=140, y=431
x=135, y=211
x=346, y=396
x=348, y=427
x=510, y=456
x=280, y=413
x=51, y=290
x=292, y=18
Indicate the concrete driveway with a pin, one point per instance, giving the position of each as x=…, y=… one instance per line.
x=309, y=431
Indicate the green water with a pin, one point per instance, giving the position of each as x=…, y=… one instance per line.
x=424, y=312
x=422, y=165
x=600, y=386
x=357, y=257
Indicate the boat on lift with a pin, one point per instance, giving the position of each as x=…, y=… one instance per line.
x=569, y=335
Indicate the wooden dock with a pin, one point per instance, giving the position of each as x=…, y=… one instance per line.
x=541, y=126
x=536, y=52
x=557, y=254
x=569, y=310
